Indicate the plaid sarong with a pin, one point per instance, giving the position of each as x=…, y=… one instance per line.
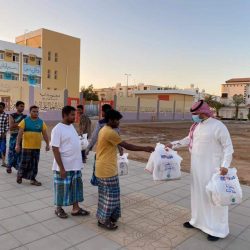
x=69, y=190
x=29, y=164
x=2, y=146
x=108, y=199
x=14, y=158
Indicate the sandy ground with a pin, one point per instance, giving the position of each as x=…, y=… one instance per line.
x=151, y=133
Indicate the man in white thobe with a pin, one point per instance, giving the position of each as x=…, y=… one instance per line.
x=211, y=149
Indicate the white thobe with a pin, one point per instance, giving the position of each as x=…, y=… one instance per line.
x=211, y=149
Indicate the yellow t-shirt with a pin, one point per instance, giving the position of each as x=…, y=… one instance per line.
x=32, y=136
x=106, y=153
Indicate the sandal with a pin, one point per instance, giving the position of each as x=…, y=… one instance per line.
x=35, y=183
x=9, y=170
x=81, y=212
x=61, y=213
x=19, y=179
x=109, y=225
x=113, y=220
x=4, y=165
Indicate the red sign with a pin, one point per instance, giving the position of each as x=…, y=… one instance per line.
x=74, y=102
x=163, y=97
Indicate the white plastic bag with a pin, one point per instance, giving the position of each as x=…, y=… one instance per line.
x=225, y=190
x=164, y=164
x=150, y=164
x=122, y=162
x=83, y=141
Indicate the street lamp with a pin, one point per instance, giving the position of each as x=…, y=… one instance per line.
x=127, y=81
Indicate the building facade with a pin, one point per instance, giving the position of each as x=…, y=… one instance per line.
x=20, y=67
x=236, y=86
x=60, y=59
x=44, y=59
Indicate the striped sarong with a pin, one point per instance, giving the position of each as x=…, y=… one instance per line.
x=29, y=164
x=108, y=199
x=69, y=190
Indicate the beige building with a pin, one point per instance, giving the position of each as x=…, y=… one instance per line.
x=105, y=94
x=119, y=90
x=180, y=98
x=236, y=86
x=60, y=59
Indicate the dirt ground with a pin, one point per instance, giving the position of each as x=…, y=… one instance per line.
x=151, y=133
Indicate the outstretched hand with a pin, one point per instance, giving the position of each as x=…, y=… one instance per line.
x=149, y=149
x=169, y=145
x=223, y=171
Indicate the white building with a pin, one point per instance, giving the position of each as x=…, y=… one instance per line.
x=20, y=63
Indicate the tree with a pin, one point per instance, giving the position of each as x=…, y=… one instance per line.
x=237, y=101
x=214, y=104
x=89, y=94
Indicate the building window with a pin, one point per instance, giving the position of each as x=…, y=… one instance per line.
x=1, y=56
x=55, y=74
x=224, y=95
x=49, y=56
x=48, y=74
x=25, y=59
x=38, y=61
x=15, y=58
x=25, y=78
x=56, y=57
x=14, y=77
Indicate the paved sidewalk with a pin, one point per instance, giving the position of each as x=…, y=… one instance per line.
x=152, y=216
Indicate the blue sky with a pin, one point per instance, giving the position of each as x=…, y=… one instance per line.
x=163, y=42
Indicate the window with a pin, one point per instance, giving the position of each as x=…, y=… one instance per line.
x=56, y=57
x=145, y=88
x=1, y=56
x=224, y=95
x=48, y=74
x=14, y=77
x=49, y=56
x=25, y=78
x=25, y=59
x=38, y=61
x=15, y=58
x=55, y=74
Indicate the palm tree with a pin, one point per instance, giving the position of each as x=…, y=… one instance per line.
x=213, y=103
x=237, y=101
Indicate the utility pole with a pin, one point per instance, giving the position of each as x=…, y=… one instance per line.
x=127, y=81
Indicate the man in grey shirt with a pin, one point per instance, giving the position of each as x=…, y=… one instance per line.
x=100, y=124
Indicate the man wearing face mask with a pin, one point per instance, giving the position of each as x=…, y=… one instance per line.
x=211, y=148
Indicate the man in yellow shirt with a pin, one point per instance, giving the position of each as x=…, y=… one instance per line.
x=31, y=130
x=106, y=171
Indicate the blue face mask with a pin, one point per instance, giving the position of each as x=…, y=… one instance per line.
x=196, y=118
